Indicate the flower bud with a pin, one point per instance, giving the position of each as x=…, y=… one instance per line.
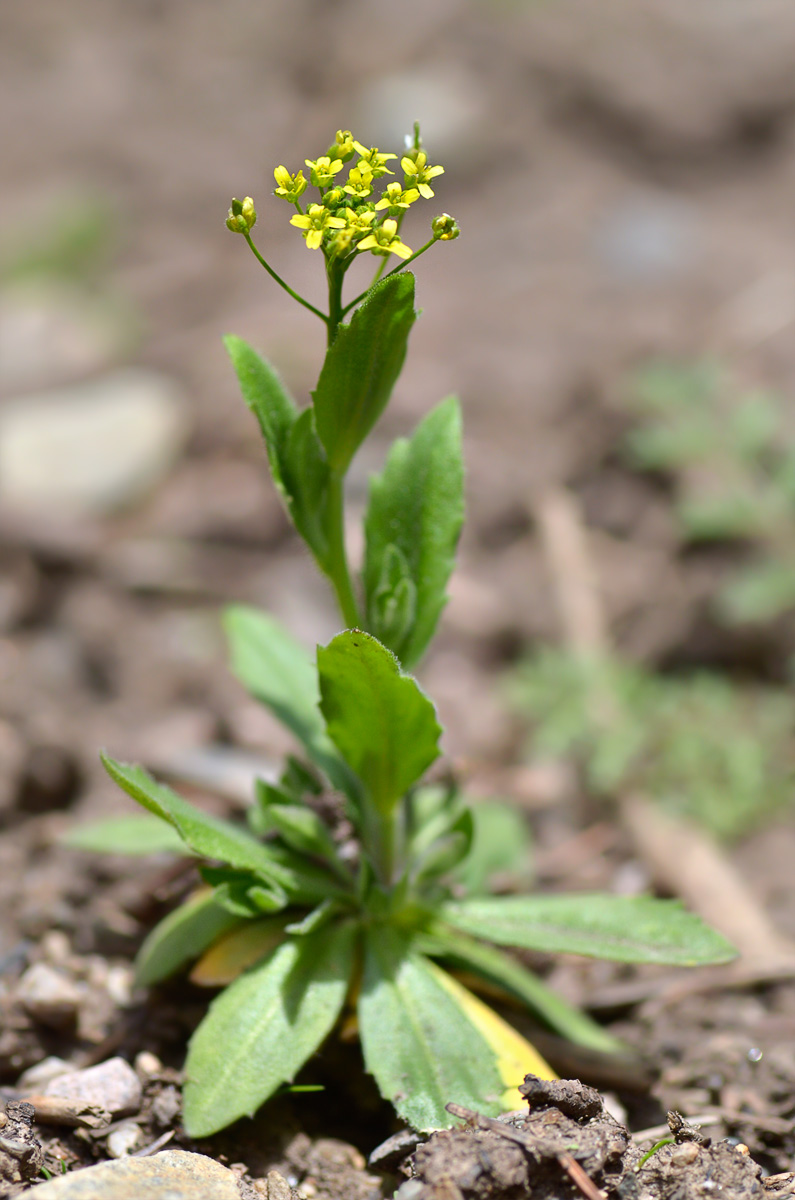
x=444, y=228
x=242, y=216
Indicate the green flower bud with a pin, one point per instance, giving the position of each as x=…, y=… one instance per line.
x=444, y=228
x=242, y=216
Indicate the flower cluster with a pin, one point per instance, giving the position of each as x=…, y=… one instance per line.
x=348, y=215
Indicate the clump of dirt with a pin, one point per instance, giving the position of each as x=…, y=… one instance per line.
x=569, y=1147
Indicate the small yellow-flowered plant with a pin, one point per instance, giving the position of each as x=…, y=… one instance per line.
x=351, y=213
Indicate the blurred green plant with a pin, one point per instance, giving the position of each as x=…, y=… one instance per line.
x=732, y=456
x=703, y=746
x=74, y=244
x=298, y=923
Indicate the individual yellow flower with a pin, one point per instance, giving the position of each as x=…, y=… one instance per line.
x=418, y=173
x=360, y=181
x=315, y=221
x=385, y=239
x=343, y=146
x=288, y=186
x=374, y=159
x=322, y=170
x=340, y=243
x=359, y=222
x=395, y=197
x=334, y=197
x=242, y=216
x=445, y=228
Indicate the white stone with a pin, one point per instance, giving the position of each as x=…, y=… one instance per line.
x=122, y=1141
x=92, y=448
x=49, y=995
x=112, y=1085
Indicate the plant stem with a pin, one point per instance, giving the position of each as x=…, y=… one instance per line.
x=281, y=282
x=336, y=275
x=401, y=265
x=338, y=571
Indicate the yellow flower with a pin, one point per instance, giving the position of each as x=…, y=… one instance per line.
x=374, y=159
x=322, y=170
x=385, y=240
x=315, y=221
x=395, y=197
x=419, y=173
x=343, y=146
x=360, y=181
x=359, y=222
x=445, y=228
x=288, y=186
x=242, y=216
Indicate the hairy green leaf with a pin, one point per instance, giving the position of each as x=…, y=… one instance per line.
x=416, y=511
x=261, y=1030
x=205, y=835
x=361, y=367
x=491, y=964
x=266, y=396
x=417, y=1043
x=182, y=936
x=621, y=928
x=381, y=722
x=131, y=835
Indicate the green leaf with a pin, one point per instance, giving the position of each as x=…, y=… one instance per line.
x=265, y=394
x=207, y=836
x=298, y=825
x=361, y=367
x=416, y=511
x=131, y=835
x=244, y=894
x=306, y=478
x=281, y=675
x=759, y=593
x=381, y=722
x=491, y=964
x=261, y=1030
x=417, y=1042
x=182, y=936
x=621, y=928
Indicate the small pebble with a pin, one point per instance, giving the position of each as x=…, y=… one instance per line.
x=36, y=1078
x=684, y=1155
x=148, y=1064
x=112, y=1085
x=123, y=1140
x=49, y=996
x=277, y=1187
x=166, y=1105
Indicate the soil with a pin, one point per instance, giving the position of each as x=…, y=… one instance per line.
x=623, y=176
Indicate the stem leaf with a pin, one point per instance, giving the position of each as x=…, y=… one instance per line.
x=621, y=928
x=415, y=514
x=266, y=396
x=261, y=1030
x=382, y=723
x=361, y=367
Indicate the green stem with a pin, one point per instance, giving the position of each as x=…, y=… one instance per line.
x=383, y=261
x=336, y=275
x=281, y=282
x=401, y=265
x=338, y=571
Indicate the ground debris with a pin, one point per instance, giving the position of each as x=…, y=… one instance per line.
x=21, y=1155
x=549, y=1154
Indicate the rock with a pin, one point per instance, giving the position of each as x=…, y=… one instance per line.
x=36, y=1078
x=93, y=448
x=112, y=1085
x=49, y=996
x=169, y=1175
x=123, y=1140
